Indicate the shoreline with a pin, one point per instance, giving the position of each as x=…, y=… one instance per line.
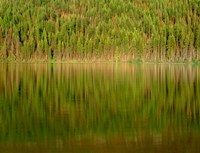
x=99, y=60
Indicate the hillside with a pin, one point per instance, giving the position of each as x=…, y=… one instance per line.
x=131, y=29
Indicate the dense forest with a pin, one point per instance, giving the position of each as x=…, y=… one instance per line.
x=110, y=29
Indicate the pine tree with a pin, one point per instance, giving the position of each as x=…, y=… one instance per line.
x=101, y=26
x=197, y=42
x=171, y=44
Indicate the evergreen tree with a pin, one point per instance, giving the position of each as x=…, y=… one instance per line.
x=78, y=28
x=171, y=44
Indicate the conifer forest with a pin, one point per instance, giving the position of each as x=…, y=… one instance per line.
x=103, y=76
x=112, y=29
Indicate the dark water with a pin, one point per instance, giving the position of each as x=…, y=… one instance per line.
x=99, y=108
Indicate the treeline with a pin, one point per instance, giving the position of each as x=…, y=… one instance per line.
x=62, y=29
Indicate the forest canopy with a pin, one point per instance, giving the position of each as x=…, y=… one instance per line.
x=62, y=29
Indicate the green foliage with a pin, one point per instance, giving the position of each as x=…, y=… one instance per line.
x=171, y=45
x=99, y=27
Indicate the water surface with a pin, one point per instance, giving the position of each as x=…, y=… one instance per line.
x=86, y=108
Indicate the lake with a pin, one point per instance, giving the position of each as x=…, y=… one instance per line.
x=99, y=108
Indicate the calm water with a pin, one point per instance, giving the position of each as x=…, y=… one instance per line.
x=99, y=108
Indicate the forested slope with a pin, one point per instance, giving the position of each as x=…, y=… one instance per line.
x=63, y=29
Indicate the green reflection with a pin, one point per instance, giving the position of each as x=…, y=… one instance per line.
x=46, y=102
